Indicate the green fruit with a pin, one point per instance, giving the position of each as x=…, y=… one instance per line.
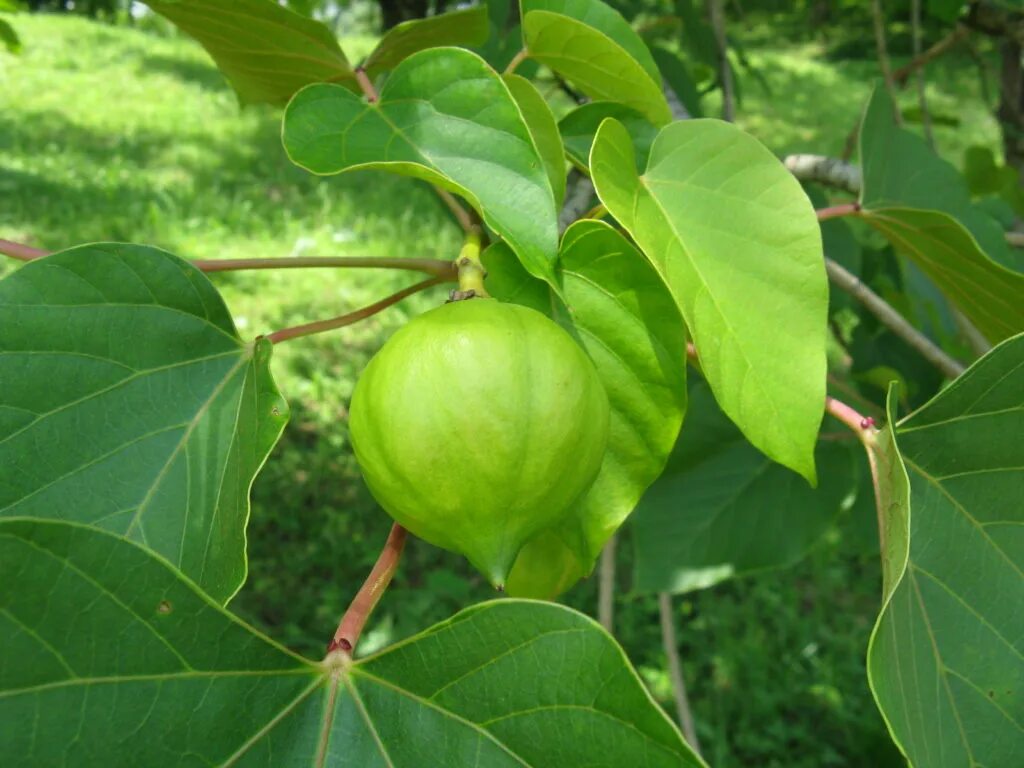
x=478, y=425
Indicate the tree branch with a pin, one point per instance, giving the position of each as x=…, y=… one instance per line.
x=915, y=27
x=606, y=585
x=716, y=11
x=892, y=319
x=878, y=20
x=901, y=75
x=352, y=623
x=830, y=171
x=675, y=670
x=341, y=321
x=436, y=267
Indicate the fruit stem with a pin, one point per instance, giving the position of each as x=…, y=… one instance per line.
x=366, y=599
x=470, y=268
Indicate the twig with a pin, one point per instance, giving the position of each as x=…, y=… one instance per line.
x=975, y=340
x=841, y=385
x=675, y=670
x=830, y=171
x=915, y=27
x=461, y=215
x=352, y=623
x=341, y=321
x=606, y=586
x=878, y=19
x=21, y=251
x=835, y=211
x=470, y=269
x=577, y=200
x=892, y=319
x=1016, y=239
x=518, y=59
x=901, y=75
x=436, y=267
x=717, y=13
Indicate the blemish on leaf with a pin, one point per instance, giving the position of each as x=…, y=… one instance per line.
x=164, y=607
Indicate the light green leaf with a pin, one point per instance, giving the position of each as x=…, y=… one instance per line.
x=579, y=127
x=266, y=51
x=129, y=402
x=620, y=312
x=901, y=171
x=723, y=510
x=465, y=28
x=945, y=660
x=988, y=293
x=738, y=244
x=590, y=44
x=446, y=117
x=543, y=129
x=121, y=661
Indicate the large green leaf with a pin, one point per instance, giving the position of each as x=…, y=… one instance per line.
x=466, y=28
x=722, y=509
x=112, y=658
x=988, y=293
x=446, y=117
x=738, y=244
x=901, y=171
x=544, y=130
x=945, y=659
x=620, y=312
x=590, y=44
x=579, y=127
x=266, y=51
x=129, y=402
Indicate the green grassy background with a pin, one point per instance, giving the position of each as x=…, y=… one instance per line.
x=119, y=134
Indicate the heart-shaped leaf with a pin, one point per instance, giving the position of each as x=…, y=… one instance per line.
x=738, y=244
x=121, y=661
x=620, y=312
x=945, y=660
x=266, y=51
x=579, y=127
x=543, y=129
x=465, y=28
x=129, y=402
x=446, y=117
x=722, y=509
x=590, y=44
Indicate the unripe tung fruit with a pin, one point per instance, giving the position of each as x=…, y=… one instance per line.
x=477, y=425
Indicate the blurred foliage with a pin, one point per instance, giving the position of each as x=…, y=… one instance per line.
x=775, y=664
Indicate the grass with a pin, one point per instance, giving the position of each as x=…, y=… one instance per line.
x=118, y=134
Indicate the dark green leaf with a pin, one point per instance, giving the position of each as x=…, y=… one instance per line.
x=446, y=117
x=722, y=509
x=465, y=29
x=945, y=657
x=129, y=402
x=590, y=44
x=112, y=658
x=989, y=294
x=738, y=244
x=677, y=75
x=266, y=51
x=901, y=171
x=543, y=129
x=579, y=127
x=9, y=37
